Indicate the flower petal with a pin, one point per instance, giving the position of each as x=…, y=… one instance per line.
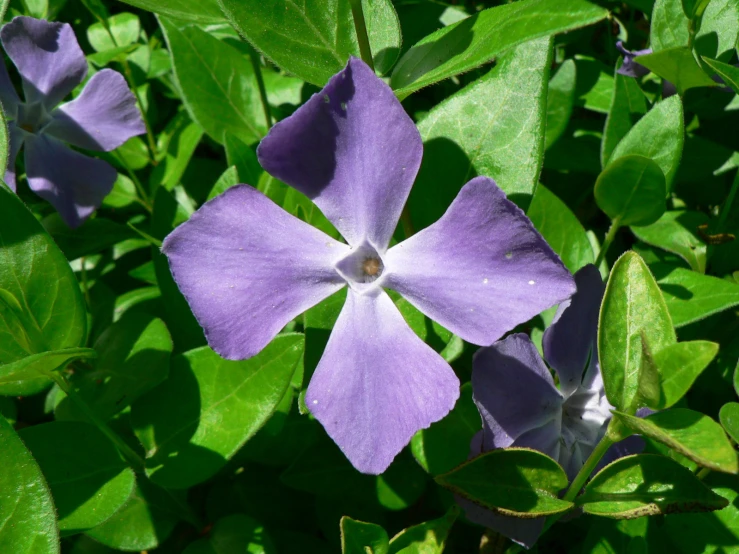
x=102, y=117
x=515, y=394
x=481, y=269
x=16, y=137
x=74, y=184
x=247, y=268
x=629, y=67
x=570, y=339
x=378, y=383
x=8, y=96
x=351, y=149
x=47, y=56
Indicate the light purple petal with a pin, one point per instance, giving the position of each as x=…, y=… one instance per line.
x=8, y=96
x=247, y=268
x=378, y=383
x=102, y=117
x=16, y=137
x=629, y=67
x=515, y=394
x=47, y=56
x=481, y=269
x=353, y=150
x=74, y=184
x=570, y=339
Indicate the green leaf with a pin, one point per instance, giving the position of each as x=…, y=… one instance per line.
x=143, y=523
x=692, y=434
x=8, y=409
x=513, y=481
x=632, y=305
x=628, y=105
x=245, y=159
x=33, y=371
x=133, y=357
x=26, y=507
x=358, y=537
x=676, y=232
x=678, y=66
x=218, y=85
x=123, y=193
x=203, y=12
x=692, y=8
x=437, y=337
x=718, y=32
x=401, y=485
x=691, y=296
x=91, y=237
x=478, y=39
x=646, y=484
x=560, y=100
x=234, y=534
x=313, y=40
x=4, y=143
x=669, y=25
x=196, y=420
x=177, y=144
x=503, y=139
x=631, y=191
x=595, y=84
x=729, y=418
x=88, y=478
x=728, y=73
x=425, y=538
x=125, y=28
x=228, y=178
x=659, y=136
x=48, y=299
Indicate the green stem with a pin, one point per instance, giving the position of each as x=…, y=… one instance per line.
x=406, y=222
x=146, y=236
x=126, y=451
x=362, y=37
x=255, y=62
x=85, y=285
x=724, y=215
x=145, y=201
x=703, y=473
x=615, y=226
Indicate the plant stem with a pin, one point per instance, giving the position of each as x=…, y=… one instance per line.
x=703, y=473
x=362, y=37
x=726, y=209
x=126, y=451
x=85, y=285
x=615, y=226
x=406, y=222
x=255, y=62
x=139, y=187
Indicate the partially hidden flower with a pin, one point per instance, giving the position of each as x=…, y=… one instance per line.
x=629, y=67
x=104, y=116
x=247, y=267
x=521, y=406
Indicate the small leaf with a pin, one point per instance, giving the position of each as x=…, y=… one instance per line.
x=228, y=178
x=514, y=481
x=235, y=534
x=631, y=191
x=560, y=100
x=728, y=73
x=632, y=304
x=669, y=25
x=125, y=28
x=425, y=538
x=729, y=417
x=245, y=159
x=692, y=434
x=676, y=232
x=628, y=105
x=678, y=66
x=646, y=484
x=176, y=144
x=694, y=8
x=358, y=537
x=33, y=371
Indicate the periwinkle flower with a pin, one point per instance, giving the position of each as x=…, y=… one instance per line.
x=104, y=116
x=247, y=267
x=629, y=67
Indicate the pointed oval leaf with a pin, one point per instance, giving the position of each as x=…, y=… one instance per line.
x=728, y=73
x=676, y=232
x=513, y=481
x=678, y=66
x=33, y=371
x=632, y=305
x=729, y=417
x=203, y=12
x=234, y=534
x=678, y=366
x=628, y=105
x=425, y=538
x=669, y=25
x=692, y=434
x=647, y=484
x=4, y=142
x=359, y=537
x=26, y=507
x=196, y=420
x=560, y=100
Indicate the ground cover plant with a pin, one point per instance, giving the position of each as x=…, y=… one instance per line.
x=369, y=276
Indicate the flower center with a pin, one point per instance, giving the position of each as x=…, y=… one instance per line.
x=32, y=117
x=372, y=267
x=361, y=268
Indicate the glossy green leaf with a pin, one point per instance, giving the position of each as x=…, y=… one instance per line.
x=234, y=534
x=728, y=73
x=8, y=409
x=245, y=159
x=217, y=82
x=133, y=357
x=503, y=139
x=594, y=90
x=718, y=32
x=628, y=105
x=426, y=538
x=692, y=434
x=87, y=476
x=47, y=311
x=478, y=39
x=125, y=28
x=123, y=193
x=515, y=481
x=314, y=40
x=196, y=420
x=669, y=25
x=4, y=143
x=401, y=485
x=91, y=237
x=729, y=418
x=691, y=296
x=203, y=12
x=560, y=100
x=437, y=337
x=26, y=507
x=177, y=144
x=631, y=191
x=693, y=8
x=646, y=484
x=632, y=305
x=358, y=537
x=678, y=66
x=228, y=178
x=33, y=371
x=677, y=232
x=607, y=536
x=659, y=136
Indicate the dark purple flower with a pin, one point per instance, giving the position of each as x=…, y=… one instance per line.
x=247, y=267
x=521, y=406
x=102, y=117
x=630, y=68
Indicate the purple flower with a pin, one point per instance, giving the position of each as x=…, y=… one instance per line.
x=102, y=117
x=247, y=267
x=630, y=68
x=521, y=406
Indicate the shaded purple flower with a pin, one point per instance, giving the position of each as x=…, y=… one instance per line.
x=521, y=406
x=247, y=267
x=102, y=117
x=629, y=67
